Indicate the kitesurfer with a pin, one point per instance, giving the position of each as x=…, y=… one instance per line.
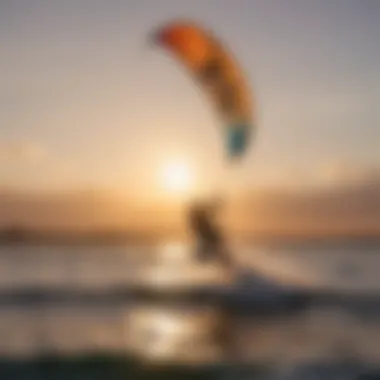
x=210, y=239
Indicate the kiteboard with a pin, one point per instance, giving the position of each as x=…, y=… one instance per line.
x=210, y=283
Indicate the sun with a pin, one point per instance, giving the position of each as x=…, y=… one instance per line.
x=177, y=177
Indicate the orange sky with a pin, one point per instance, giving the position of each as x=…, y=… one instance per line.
x=86, y=103
x=343, y=207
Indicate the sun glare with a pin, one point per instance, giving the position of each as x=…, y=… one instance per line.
x=177, y=177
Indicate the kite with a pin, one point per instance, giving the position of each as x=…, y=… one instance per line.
x=218, y=74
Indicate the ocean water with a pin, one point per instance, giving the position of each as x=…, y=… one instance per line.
x=305, y=313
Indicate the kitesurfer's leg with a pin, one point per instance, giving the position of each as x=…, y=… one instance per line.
x=214, y=249
x=201, y=249
x=226, y=258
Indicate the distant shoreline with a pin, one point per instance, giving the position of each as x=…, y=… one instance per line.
x=18, y=236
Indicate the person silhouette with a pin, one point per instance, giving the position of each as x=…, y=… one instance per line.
x=210, y=240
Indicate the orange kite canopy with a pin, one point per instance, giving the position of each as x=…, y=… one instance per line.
x=217, y=73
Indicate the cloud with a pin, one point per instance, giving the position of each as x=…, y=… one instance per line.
x=322, y=176
x=20, y=151
x=349, y=204
x=342, y=173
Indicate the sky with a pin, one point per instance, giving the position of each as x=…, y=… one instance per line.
x=87, y=103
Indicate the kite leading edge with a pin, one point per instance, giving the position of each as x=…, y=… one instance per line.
x=217, y=73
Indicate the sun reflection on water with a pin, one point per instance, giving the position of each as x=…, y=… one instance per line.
x=172, y=333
